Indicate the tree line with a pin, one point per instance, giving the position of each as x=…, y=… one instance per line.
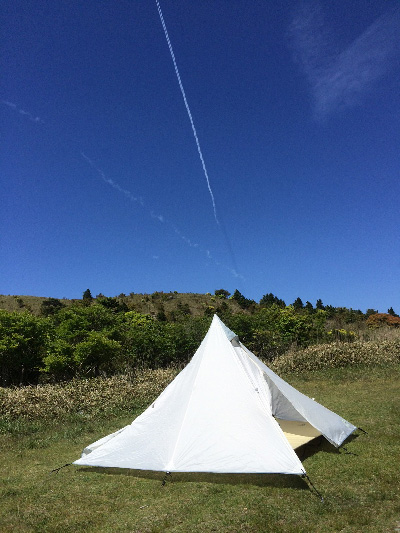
x=103, y=336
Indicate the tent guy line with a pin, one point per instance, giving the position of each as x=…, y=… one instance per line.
x=188, y=110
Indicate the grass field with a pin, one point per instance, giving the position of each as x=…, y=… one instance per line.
x=361, y=491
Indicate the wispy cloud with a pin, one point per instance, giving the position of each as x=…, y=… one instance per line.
x=340, y=79
x=22, y=111
x=159, y=217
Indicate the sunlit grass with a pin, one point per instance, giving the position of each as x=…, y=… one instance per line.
x=361, y=491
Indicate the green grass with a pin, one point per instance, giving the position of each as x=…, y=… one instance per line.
x=361, y=491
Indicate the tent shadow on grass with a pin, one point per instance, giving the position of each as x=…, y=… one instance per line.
x=260, y=480
x=320, y=444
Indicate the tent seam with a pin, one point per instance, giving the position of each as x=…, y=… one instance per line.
x=170, y=462
x=288, y=446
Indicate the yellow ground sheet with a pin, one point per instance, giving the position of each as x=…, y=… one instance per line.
x=298, y=433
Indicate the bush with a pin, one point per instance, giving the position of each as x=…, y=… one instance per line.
x=86, y=340
x=336, y=355
x=90, y=398
x=342, y=335
x=23, y=343
x=273, y=330
x=97, y=354
x=383, y=319
x=153, y=344
x=51, y=306
x=222, y=293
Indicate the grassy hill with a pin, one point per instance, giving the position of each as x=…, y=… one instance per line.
x=21, y=303
x=192, y=303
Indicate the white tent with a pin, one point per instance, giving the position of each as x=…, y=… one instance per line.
x=226, y=412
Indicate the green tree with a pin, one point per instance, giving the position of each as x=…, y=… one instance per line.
x=59, y=360
x=245, y=303
x=97, y=354
x=151, y=343
x=75, y=326
x=87, y=295
x=391, y=312
x=183, y=308
x=319, y=305
x=75, y=322
x=298, y=304
x=309, y=307
x=270, y=299
x=301, y=329
x=223, y=293
x=113, y=304
x=272, y=330
x=161, y=316
x=51, y=306
x=23, y=343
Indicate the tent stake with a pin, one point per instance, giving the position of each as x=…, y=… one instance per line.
x=346, y=451
x=313, y=486
x=165, y=478
x=56, y=470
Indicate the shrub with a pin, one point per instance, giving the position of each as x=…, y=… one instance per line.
x=335, y=355
x=209, y=310
x=23, y=343
x=222, y=293
x=51, y=306
x=97, y=354
x=342, y=335
x=383, y=319
x=88, y=398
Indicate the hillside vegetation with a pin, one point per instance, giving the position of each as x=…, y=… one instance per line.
x=172, y=302
x=46, y=339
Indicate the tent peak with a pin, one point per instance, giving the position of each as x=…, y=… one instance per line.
x=217, y=322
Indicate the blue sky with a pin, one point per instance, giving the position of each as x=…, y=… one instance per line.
x=296, y=110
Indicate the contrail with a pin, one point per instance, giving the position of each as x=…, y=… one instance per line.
x=22, y=111
x=187, y=109
x=109, y=181
x=159, y=217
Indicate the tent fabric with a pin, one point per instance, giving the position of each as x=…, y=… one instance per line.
x=218, y=415
x=287, y=401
